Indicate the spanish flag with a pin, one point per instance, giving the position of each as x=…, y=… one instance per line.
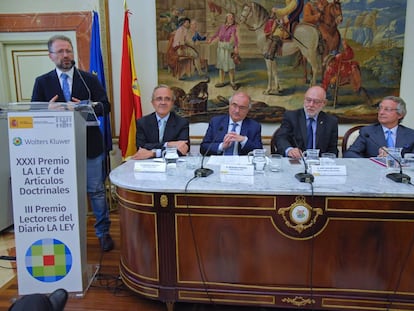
x=130, y=95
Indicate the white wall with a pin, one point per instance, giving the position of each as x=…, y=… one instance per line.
x=142, y=28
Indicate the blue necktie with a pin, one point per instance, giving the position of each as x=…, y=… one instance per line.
x=65, y=87
x=161, y=128
x=309, y=133
x=230, y=149
x=390, y=141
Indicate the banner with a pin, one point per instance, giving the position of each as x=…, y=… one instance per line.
x=48, y=205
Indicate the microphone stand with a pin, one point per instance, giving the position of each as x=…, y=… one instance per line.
x=202, y=171
x=305, y=176
x=397, y=177
x=89, y=103
x=83, y=81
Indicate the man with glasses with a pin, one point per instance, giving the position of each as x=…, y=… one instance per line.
x=388, y=132
x=308, y=127
x=233, y=133
x=161, y=128
x=65, y=84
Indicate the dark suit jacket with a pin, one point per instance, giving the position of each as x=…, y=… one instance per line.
x=372, y=137
x=177, y=128
x=217, y=128
x=294, y=125
x=48, y=85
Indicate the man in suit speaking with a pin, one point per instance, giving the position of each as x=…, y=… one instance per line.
x=67, y=84
x=308, y=127
x=388, y=132
x=233, y=133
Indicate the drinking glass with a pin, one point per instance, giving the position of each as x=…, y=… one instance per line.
x=275, y=162
x=327, y=158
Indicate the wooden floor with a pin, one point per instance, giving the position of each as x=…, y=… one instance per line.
x=107, y=291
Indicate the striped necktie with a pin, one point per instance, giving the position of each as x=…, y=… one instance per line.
x=65, y=87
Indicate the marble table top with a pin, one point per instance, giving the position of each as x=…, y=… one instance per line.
x=364, y=178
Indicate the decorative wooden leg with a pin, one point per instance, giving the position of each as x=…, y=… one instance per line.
x=170, y=305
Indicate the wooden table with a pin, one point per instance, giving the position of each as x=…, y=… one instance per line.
x=348, y=249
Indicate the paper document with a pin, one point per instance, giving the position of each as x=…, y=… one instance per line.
x=232, y=159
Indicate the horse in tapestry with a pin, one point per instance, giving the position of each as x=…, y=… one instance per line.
x=305, y=38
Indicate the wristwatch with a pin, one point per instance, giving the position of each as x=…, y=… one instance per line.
x=157, y=153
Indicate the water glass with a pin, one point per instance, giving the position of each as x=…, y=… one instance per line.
x=275, y=162
x=393, y=157
x=259, y=159
x=327, y=158
x=193, y=160
x=311, y=156
x=408, y=160
x=170, y=155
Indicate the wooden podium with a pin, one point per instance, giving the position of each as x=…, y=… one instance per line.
x=6, y=211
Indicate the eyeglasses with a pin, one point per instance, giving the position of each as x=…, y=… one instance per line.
x=386, y=109
x=241, y=108
x=316, y=101
x=62, y=52
x=160, y=99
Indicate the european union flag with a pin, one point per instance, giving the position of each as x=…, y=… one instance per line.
x=96, y=68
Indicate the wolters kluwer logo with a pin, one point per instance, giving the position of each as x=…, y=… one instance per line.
x=48, y=260
x=17, y=141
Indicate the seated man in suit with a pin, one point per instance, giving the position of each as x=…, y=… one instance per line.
x=388, y=132
x=162, y=128
x=233, y=133
x=308, y=127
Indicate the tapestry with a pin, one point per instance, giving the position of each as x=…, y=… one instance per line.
x=354, y=49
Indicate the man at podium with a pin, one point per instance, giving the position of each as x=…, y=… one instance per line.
x=66, y=83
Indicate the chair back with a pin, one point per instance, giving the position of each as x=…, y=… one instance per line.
x=273, y=142
x=350, y=136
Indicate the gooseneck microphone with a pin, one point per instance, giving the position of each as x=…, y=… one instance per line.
x=305, y=176
x=83, y=82
x=202, y=171
x=92, y=119
x=397, y=177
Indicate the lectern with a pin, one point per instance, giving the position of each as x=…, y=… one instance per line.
x=6, y=212
x=48, y=172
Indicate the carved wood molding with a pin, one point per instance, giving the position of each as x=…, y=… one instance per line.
x=80, y=22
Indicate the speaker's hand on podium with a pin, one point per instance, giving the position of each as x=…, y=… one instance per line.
x=56, y=106
x=62, y=106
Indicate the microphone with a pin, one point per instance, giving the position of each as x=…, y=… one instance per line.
x=397, y=177
x=83, y=82
x=202, y=171
x=91, y=120
x=305, y=176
